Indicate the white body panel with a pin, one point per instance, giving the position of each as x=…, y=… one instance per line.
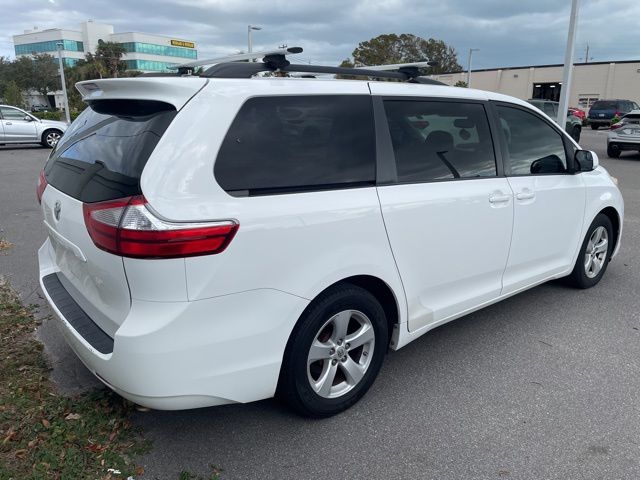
x=448, y=266
x=207, y=330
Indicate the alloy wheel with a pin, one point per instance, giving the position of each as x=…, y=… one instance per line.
x=52, y=139
x=596, y=252
x=340, y=354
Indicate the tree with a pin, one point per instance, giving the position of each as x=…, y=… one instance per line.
x=404, y=48
x=13, y=95
x=109, y=55
x=45, y=75
x=461, y=83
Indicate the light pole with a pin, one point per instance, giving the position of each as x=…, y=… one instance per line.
x=249, y=39
x=471, y=50
x=59, y=46
x=568, y=65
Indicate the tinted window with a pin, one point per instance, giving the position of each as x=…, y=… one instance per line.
x=282, y=144
x=533, y=146
x=440, y=140
x=12, y=114
x=604, y=105
x=102, y=154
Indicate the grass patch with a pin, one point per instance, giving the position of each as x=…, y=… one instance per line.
x=44, y=435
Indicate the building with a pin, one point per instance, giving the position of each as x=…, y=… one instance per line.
x=590, y=81
x=144, y=51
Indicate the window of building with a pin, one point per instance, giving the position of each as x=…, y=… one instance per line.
x=164, y=50
x=440, y=140
x=533, y=146
x=50, y=46
x=298, y=143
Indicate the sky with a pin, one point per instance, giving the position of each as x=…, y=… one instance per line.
x=507, y=32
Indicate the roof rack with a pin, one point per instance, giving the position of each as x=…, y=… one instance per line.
x=238, y=66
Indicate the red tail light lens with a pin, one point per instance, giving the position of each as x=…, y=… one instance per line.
x=615, y=126
x=41, y=185
x=126, y=227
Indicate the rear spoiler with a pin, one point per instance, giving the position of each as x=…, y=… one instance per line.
x=175, y=91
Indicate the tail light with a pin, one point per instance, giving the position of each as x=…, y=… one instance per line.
x=615, y=126
x=127, y=228
x=41, y=185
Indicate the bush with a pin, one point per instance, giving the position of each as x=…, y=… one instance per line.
x=615, y=120
x=48, y=115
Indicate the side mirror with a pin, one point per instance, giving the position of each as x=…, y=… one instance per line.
x=28, y=118
x=586, y=161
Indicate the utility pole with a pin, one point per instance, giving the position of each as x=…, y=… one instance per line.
x=568, y=65
x=250, y=29
x=471, y=50
x=59, y=46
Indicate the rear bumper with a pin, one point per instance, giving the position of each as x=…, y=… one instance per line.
x=599, y=121
x=178, y=355
x=624, y=145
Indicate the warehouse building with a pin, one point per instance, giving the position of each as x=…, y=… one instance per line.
x=590, y=81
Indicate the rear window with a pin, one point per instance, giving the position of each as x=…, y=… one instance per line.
x=604, y=105
x=102, y=154
x=298, y=143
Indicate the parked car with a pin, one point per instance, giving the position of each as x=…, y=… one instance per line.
x=18, y=126
x=603, y=111
x=573, y=125
x=578, y=112
x=40, y=108
x=218, y=240
x=624, y=135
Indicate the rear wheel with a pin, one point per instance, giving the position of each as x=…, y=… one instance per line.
x=594, y=126
x=613, y=152
x=335, y=352
x=50, y=138
x=594, y=255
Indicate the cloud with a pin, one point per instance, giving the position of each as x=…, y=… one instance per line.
x=507, y=33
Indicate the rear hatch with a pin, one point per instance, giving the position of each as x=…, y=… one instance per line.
x=604, y=110
x=100, y=158
x=630, y=128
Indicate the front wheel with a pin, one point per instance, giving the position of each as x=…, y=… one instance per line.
x=50, y=138
x=575, y=133
x=334, y=353
x=594, y=255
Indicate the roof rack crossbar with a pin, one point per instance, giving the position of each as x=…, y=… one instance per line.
x=248, y=70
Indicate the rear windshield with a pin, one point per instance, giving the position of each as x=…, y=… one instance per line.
x=103, y=153
x=605, y=105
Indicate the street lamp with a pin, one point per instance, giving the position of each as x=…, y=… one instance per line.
x=249, y=29
x=471, y=50
x=568, y=64
x=59, y=46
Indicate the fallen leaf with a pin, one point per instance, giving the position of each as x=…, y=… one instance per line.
x=21, y=453
x=113, y=435
x=32, y=443
x=73, y=416
x=46, y=423
x=139, y=470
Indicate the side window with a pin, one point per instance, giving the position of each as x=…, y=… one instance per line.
x=440, y=140
x=296, y=143
x=12, y=113
x=533, y=146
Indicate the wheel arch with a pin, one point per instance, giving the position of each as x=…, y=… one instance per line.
x=614, y=217
x=47, y=130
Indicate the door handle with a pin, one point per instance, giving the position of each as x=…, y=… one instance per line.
x=8, y=123
x=499, y=198
x=525, y=195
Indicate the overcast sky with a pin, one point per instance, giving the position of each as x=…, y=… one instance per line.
x=507, y=32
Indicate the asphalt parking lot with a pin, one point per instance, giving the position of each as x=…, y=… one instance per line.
x=544, y=385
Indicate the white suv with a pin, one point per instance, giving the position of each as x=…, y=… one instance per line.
x=18, y=126
x=215, y=240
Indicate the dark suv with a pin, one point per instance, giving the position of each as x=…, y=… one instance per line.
x=602, y=111
x=573, y=126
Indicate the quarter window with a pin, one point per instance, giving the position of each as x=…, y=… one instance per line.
x=533, y=146
x=296, y=143
x=440, y=140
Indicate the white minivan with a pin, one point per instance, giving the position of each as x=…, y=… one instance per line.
x=216, y=239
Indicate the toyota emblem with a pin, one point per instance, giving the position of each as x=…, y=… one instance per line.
x=56, y=210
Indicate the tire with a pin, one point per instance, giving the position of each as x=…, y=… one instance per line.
x=341, y=308
x=584, y=274
x=613, y=152
x=575, y=133
x=50, y=138
x=594, y=127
